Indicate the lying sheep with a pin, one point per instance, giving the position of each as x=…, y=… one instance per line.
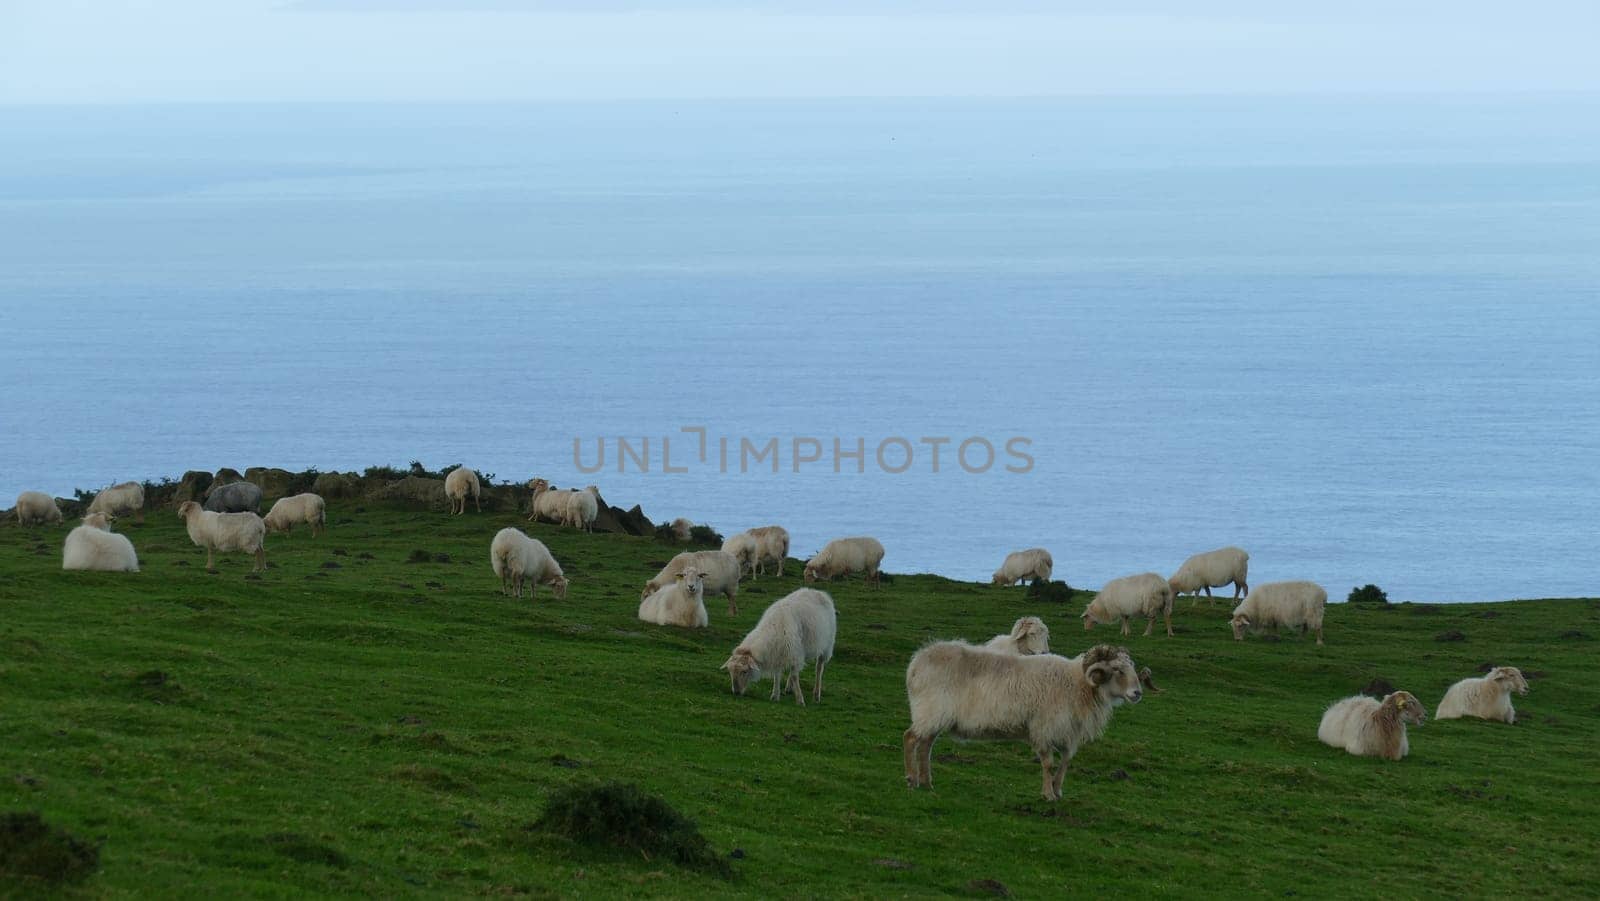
x=772, y=546
x=461, y=482
x=1034, y=563
x=37, y=508
x=547, y=504
x=94, y=547
x=1029, y=635
x=1298, y=605
x=843, y=556
x=1368, y=728
x=518, y=559
x=798, y=627
x=235, y=497
x=1487, y=698
x=225, y=532
x=1051, y=702
x=1146, y=594
x=682, y=602
x=1213, y=569
x=720, y=570
x=583, y=507
x=120, y=500
x=302, y=508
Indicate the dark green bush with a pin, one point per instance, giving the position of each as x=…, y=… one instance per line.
x=620, y=816
x=31, y=849
x=1368, y=594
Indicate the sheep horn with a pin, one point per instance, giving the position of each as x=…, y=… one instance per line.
x=1146, y=681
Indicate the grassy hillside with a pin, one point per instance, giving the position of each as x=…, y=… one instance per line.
x=353, y=723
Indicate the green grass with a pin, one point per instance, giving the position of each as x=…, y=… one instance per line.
x=352, y=723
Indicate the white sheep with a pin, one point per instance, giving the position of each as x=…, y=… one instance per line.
x=681, y=602
x=37, y=508
x=119, y=500
x=301, y=508
x=1051, y=702
x=682, y=529
x=1034, y=563
x=225, y=532
x=745, y=548
x=720, y=570
x=772, y=546
x=94, y=547
x=461, y=482
x=1146, y=594
x=1487, y=698
x=1028, y=635
x=1369, y=728
x=1298, y=605
x=1213, y=569
x=548, y=504
x=583, y=507
x=843, y=556
x=518, y=559
x=798, y=627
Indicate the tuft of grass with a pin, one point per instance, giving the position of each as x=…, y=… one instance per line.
x=33, y=850
x=620, y=816
x=1051, y=592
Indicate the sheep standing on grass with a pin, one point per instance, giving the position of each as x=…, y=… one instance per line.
x=120, y=500
x=798, y=627
x=1368, y=728
x=772, y=546
x=681, y=602
x=302, y=508
x=94, y=547
x=37, y=508
x=518, y=560
x=1146, y=594
x=461, y=482
x=1213, y=569
x=719, y=569
x=583, y=508
x=1028, y=635
x=1034, y=563
x=225, y=532
x=547, y=504
x=1487, y=698
x=1298, y=605
x=843, y=556
x=1053, y=703
x=234, y=497
x=744, y=547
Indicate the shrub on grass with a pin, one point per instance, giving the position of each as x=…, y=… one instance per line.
x=31, y=849
x=1053, y=592
x=621, y=816
x=1368, y=594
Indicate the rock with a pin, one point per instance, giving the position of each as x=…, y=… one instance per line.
x=225, y=476
x=192, y=487
x=411, y=491
x=333, y=485
x=274, y=483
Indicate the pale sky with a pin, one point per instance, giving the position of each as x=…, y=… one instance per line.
x=127, y=51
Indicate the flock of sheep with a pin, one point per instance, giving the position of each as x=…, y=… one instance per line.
x=1010, y=688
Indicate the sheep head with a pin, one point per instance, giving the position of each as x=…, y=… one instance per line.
x=742, y=669
x=559, y=586
x=811, y=573
x=1093, y=614
x=98, y=521
x=187, y=509
x=999, y=579
x=693, y=581
x=1031, y=635
x=1509, y=676
x=1409, y=708
x=1240, y=623
x=1111, y=671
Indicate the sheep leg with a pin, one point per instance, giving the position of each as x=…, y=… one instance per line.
x=816, y=682
x=733, y=609
x=913, y=777
x=1150, y=625
x=1046, y=757
x=477, y=501
x=794, y=682
x=261, y=559
x=210, y=567
x=925, y=759
x=1061, y=774
x=1125, y=630
x=777, y=686
x=1319, y=636
x=1169, y=622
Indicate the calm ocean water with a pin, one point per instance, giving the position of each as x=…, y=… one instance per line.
x=1359, y=337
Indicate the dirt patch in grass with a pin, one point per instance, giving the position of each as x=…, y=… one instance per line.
x=990, y=887
x=33, y=850
x=305, y=850
x=1451, y=635
x=619, y=816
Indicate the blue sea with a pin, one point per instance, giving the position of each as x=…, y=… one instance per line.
x=1357, y=336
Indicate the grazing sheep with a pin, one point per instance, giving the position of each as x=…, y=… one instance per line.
x=1051, y=702
x=1293, y=604
x=548, y=504
x=1213, y=569
x=235, y=497
x=772, y=546
x=1034, y=563
x=681, y=602
x=224, y=532
x=798, y=627
x=461, y=482
x=37, y=508
x=94, y=547
x=1487, y=698
x=1368, y=728
x=1029, y=635
x=1146, y=594
x=682, y=529
x=518, y=559
x=744, y=547
x=720, y=570
x=843, y=556
x=119, y=500
x=306, y=508
x=583, y=507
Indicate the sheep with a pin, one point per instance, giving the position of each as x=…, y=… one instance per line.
x=94, y=547
x=1213, y=569
x=842, y=556
x=772, y=546
x=234, y=497
x=583, y=507
x=1029, y=635
x=461, y=482
x=1146, y=594
x=1488, y=698
x=516, y=559
x=1293, y=604
x=719, y=568
x=798, y=627
x=681, y=602
x=37, y=508
x=225, y=532
x=1034, y=563
x=682, y=529
x=745, y=548
x=118, y=500
x=306, y=508
x=1369, y=728
x=1051, y=702
x=547, y=504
